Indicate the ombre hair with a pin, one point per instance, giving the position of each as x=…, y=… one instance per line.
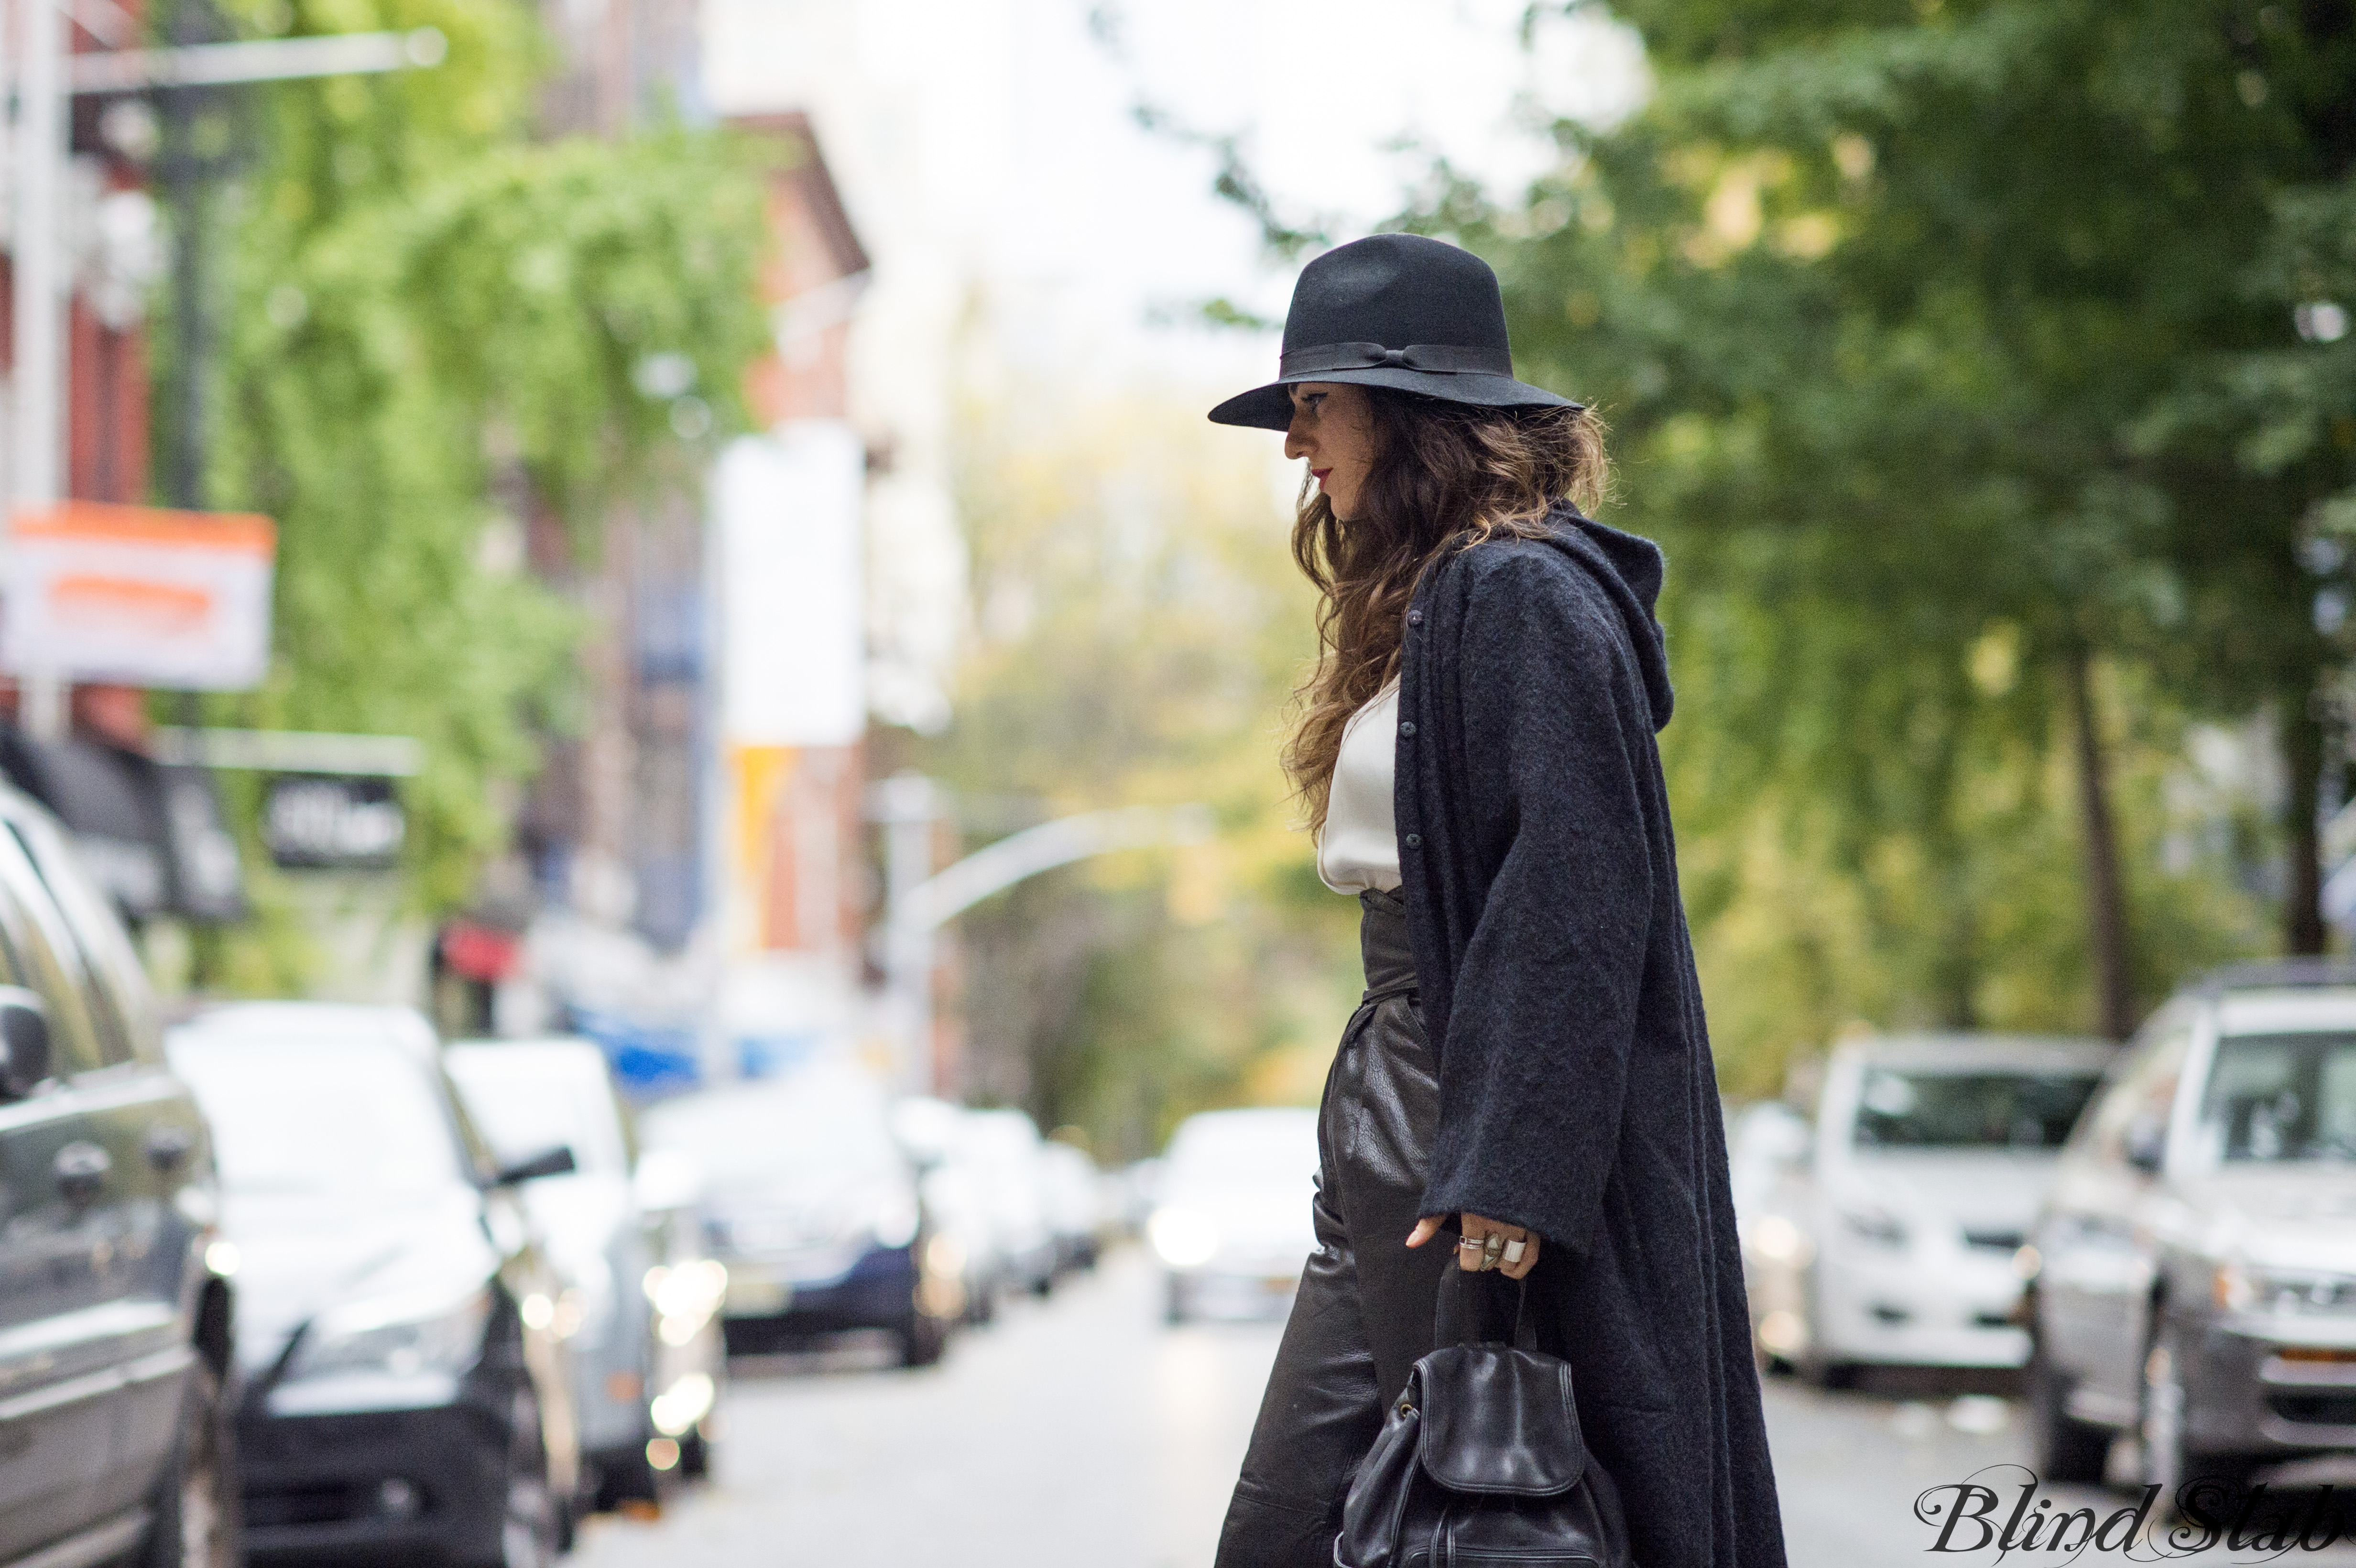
x=1445, y=477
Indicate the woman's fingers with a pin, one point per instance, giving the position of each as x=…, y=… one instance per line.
x=1424, y=1231
x=1478, y=1250
x=1529, y=1259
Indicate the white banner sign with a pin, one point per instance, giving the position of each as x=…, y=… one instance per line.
x=793, y=623
x=139, y=596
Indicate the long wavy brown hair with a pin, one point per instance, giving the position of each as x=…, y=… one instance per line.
x=1444, y=477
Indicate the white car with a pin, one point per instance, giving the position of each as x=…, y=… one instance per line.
x=1232, y=1222
x=1891, y=1236
x=965, y=1250
x=640, y=1306
x=1003, y=1148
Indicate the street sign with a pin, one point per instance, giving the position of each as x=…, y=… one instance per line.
x=138, y=596
x=313, y=822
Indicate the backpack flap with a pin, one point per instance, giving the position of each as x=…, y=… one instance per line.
x=1499, y=1421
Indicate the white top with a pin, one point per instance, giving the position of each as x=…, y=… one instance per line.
x=1358, y=851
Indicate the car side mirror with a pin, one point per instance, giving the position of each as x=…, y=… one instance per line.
x=2146, y=1145
x=557, y=1161
x=27, y=1058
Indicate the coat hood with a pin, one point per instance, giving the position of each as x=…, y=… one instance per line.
x=1630, y=569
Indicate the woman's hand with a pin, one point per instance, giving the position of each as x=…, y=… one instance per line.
x=1513, y=1255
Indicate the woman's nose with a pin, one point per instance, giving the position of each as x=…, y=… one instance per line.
x=1295, y=443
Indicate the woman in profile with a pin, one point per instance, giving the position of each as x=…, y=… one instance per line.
x=1527, y=1085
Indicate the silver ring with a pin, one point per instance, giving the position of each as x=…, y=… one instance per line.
x=1473, y=1242
x=1515, y=1251
x=1493, y=1241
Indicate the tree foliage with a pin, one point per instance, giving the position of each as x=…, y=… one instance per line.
x=437, y=328
x=1953, y=354
x=1138, y=624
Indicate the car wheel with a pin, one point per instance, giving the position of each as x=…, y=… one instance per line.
x=2168, y=1460
x=531, y=1526
x=923, y=1340
x=624, y=1475
x=2065, y=1449
x=196, y=1503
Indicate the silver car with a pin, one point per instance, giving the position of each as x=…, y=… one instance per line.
x=1232, y=1219
x=1892, y=1234
x=2195, y=1283
x=641, y=1304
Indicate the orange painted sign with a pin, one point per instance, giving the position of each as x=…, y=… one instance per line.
x=138, y=595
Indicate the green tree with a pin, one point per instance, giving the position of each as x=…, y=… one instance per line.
x=1138, y=624
x=436, y=331
x=1947, y=327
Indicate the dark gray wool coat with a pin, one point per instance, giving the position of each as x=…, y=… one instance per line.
x=1577, y=1095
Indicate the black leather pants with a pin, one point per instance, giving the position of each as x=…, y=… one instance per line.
x=1364, y=1316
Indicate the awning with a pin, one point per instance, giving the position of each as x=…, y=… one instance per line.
x=150, y=834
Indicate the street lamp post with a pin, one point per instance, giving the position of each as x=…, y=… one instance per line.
x=920, y=901
x=37, y=454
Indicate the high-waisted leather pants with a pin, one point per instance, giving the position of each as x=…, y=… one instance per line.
x=1363, y=1314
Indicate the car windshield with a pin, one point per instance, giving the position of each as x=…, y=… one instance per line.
x=2281, y=1097
x=320, y=1115
x=1257, y=1151
x=753, y=1137
x=1969, y=1109
x=524, y=1107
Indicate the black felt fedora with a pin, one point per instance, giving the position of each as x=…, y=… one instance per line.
x=1394, y=309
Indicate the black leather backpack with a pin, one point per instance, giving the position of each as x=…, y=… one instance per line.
x=1480, y=1464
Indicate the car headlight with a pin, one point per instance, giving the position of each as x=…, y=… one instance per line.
x=685, y=1296
x=402, y=1336
x=1877, y=1226
x=2239, y=1287
x=1182, y=1237
x=1779, y=1241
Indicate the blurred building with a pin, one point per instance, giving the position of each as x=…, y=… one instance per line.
x=152, y=834
x=691, y=880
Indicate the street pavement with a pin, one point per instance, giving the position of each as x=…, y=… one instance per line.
x=1081, y=1433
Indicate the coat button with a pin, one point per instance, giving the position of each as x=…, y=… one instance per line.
x=1413, y=840
x=1408, y=728
x=1414, y=617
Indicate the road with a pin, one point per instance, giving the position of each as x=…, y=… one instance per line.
x=1081, y=1432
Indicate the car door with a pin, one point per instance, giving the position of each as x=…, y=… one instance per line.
x=154, y=1202
x=2096, y=1266
x=58, y=1376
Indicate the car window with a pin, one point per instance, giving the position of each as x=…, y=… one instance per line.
x=2281, y=1097
x=306, y=1115
x=749, y=1136
x=119, y=996
x=1968, y=1110
x=53, y=965
x=119, y=982
x=525, y=1108
x=2139, y=1097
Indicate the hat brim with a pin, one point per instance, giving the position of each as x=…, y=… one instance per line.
x=1271, y=407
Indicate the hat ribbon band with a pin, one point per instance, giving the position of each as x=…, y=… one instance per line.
x=1439, y=359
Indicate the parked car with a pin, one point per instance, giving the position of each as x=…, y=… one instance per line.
x=962, y=1257
x=1075, y=1203
x=1891, y=1236
x=116, y=1373
x=1002, y=1147
x=2195, y=1280
x=643, y=1313
x=1232, y=1222
x=812, y=1207
x=406, y=1394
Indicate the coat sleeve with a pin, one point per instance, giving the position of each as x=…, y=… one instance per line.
x=1543, y=1017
